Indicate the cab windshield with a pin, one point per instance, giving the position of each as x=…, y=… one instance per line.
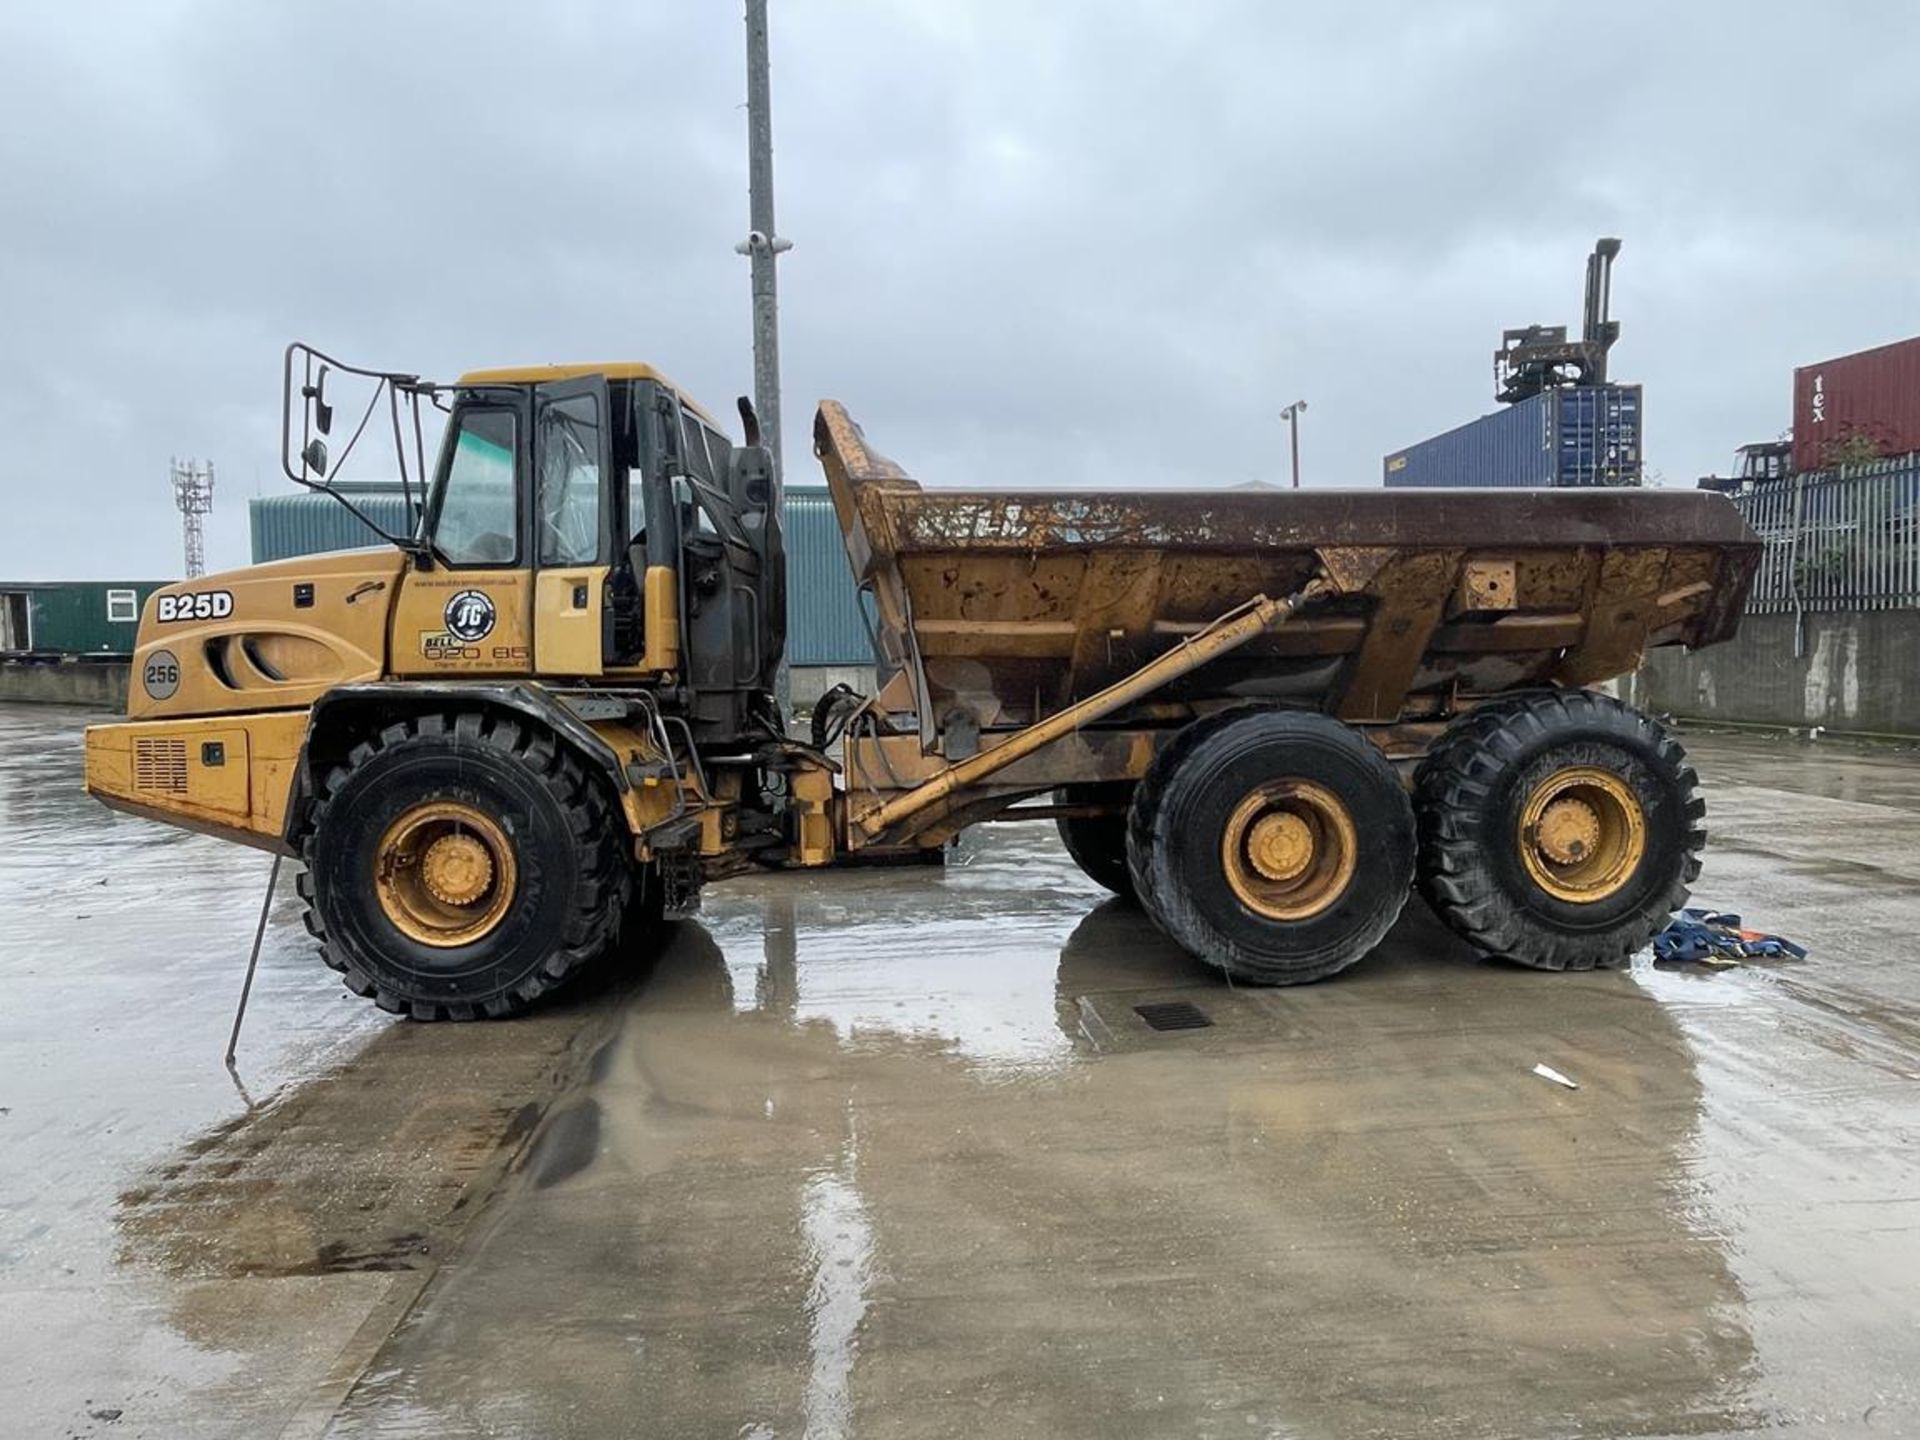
x=477, y=520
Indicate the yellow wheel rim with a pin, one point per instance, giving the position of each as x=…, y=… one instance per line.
x=1583, y=833
x=1290, y=849
x=445, y=874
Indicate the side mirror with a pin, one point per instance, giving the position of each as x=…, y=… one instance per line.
x=749, y=420
x=751, y=483
x=322, y=411
x=314, y=457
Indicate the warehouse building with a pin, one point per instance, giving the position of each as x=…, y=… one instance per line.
x=829, y=639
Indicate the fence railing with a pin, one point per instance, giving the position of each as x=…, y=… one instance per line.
x=1844, y=539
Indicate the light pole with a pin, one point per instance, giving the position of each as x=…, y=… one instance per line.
x=1292, y=416
x=763, y=243
x=762, y=247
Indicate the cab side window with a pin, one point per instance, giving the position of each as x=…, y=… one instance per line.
x=567, y=460
x=694, y=453
x=696, y=460
x=720, y=450
x=479, y=516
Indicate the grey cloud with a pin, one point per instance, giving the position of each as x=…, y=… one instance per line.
x=1081, y=243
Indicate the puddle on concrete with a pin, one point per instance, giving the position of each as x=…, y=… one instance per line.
x=1346, y=1209
x=945, y=956
x=121, y=955
x=857, y=1160
x=169, y=1230
x=843, y=1187
x=839, y=1240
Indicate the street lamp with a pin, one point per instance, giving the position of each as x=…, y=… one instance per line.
x=1292, y=416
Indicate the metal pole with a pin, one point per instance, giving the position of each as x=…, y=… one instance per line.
x=1292, y=417
x=253, y=962
x=762, y=247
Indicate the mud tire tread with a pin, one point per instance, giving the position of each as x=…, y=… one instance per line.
x=1385, y=873
x=1463, y=773
x=605, y=876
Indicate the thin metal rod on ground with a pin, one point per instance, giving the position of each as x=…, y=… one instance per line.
x=253, y=961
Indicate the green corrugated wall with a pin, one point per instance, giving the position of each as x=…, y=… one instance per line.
x=283, y=526
x=70, y=617
x=824, y=621
x=825, y=625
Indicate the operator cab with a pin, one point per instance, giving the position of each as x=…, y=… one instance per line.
x=596, y=524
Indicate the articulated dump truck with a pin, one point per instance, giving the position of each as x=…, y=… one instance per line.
x=544, y=718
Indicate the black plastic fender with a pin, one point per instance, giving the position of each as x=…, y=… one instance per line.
x=350, y=711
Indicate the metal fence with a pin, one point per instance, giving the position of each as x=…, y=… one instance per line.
x=1844, y=539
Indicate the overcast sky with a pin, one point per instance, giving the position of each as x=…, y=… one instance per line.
x=1091, y=244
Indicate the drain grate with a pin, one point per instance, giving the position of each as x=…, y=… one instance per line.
x=1173, y=1015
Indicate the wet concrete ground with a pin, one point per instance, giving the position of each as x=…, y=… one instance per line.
x=890, y=1153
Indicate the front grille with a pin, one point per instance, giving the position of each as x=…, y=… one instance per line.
x=160, y=765
x=1173, y=1015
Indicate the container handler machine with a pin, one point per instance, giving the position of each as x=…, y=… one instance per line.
x=546, y=713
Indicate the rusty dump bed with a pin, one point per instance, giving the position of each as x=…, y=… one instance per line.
x=1012, y=604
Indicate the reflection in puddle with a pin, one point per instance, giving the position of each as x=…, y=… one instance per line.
x=971, y=967
x=839, y=1238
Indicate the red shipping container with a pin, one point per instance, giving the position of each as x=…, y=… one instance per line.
x=1871, y=398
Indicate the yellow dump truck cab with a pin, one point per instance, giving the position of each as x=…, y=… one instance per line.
x=594, y=589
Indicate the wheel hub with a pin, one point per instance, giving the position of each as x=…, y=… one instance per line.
x=444, y=873
x=456, y=869
x=1582, y=834
x=1569, y=830
x=1290, y=850
x=1280, y=846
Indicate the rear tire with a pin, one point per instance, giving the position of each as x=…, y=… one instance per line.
x=460, y=866
x=1097, y=843
x=1277, y=845
x=1558, y=829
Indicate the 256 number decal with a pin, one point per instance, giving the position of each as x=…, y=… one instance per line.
x=206, y=605
x=161, y=675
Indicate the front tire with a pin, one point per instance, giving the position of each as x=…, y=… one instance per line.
x=1277, y=845
x=1558, y=829
x=461, y=866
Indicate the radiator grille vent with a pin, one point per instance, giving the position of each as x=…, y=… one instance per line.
x=160, y=765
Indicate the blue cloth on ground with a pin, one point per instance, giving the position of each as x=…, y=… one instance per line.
x=1701, y=935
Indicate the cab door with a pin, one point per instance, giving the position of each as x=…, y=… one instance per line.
x=470, y=612
x=572, y=524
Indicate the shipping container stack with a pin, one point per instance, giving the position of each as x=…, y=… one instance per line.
x=1570, y=435
x=1562, y=422
x=1857, y=408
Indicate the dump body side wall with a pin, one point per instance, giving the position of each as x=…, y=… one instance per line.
x=1004, y=606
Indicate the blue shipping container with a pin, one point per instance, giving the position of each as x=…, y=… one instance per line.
x=1577, y=435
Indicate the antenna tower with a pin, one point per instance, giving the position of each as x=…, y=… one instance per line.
x=193, y=493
